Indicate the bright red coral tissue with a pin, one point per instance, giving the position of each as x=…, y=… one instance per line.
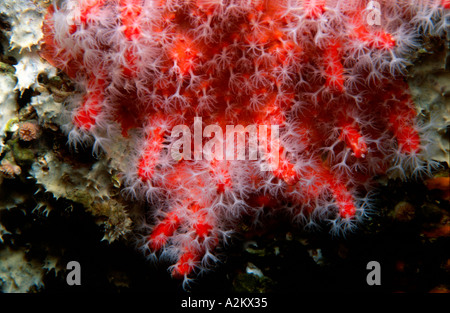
x=320, y=83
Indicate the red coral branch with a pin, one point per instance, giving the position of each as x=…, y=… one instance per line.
x=326, y=84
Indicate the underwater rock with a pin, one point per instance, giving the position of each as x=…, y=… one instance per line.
x=91, y=186
x=25, y=18
x=8, y=107
x=17, y=274
x=28, y=68
x=429, y=81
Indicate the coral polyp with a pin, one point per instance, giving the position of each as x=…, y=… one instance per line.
x=324, y=80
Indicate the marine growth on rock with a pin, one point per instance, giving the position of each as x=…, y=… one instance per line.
x=245, y=107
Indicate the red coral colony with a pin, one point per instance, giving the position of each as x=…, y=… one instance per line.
x=325, y=78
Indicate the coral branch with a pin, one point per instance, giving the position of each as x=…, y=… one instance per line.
x=319, y=81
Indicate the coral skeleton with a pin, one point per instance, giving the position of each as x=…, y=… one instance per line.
x=28, y=131
x=329, y=74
